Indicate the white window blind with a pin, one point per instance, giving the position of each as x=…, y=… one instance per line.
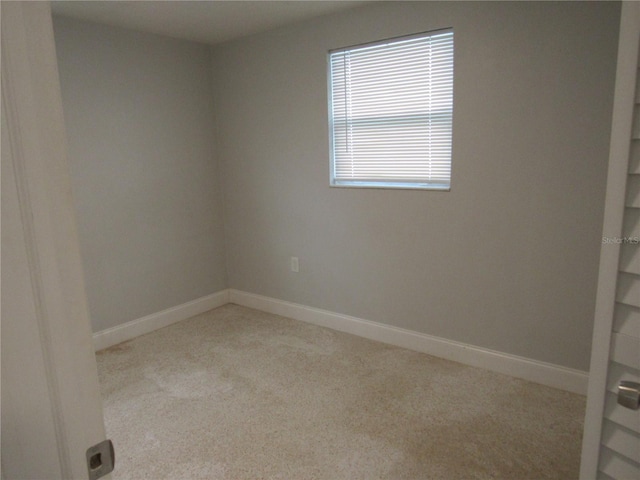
x=391, y=112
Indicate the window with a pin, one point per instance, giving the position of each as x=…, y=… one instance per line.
x=391, y=111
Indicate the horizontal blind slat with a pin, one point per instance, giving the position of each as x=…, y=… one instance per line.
x=631, y=226
x=618, y=414
x=625, y=349
x=630, y=258
x=626, y=320
x=618, y=467
x=604, y=476
x=621, y=440
x=628, y=289
x=633, y=191
x=634, y=159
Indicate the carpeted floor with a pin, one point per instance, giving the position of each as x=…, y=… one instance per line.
x=235, y=393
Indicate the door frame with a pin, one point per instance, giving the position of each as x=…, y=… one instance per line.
x=621, y=128
x=51, y=402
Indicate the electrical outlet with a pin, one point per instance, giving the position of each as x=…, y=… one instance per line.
x=295, y=266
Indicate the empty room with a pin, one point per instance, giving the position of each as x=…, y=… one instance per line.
x=331, y=240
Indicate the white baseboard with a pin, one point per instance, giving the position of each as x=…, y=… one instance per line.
x=135, y=328
x=532, y=370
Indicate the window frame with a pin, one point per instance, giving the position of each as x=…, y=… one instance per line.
x=388, y=182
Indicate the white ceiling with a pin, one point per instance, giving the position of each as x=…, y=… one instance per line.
x=202, y=21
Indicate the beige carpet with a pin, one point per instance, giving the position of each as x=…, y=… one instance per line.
x=239, y=394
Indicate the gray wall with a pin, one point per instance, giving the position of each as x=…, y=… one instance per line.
x=139, y=117
x=508, y=259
